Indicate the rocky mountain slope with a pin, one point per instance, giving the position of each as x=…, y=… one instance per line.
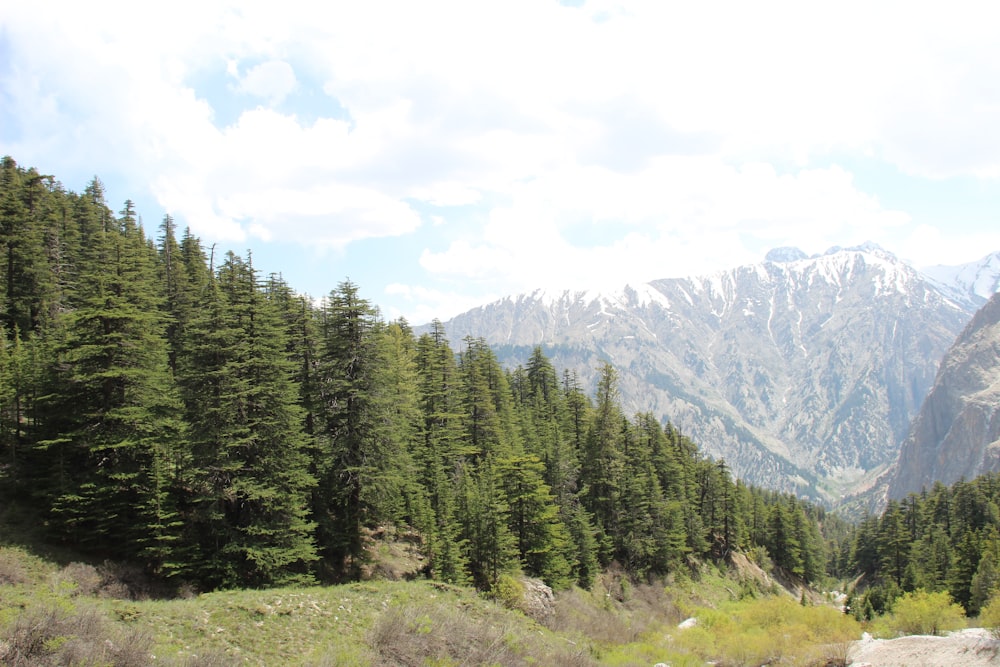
x=957, y=431
x=802, y=372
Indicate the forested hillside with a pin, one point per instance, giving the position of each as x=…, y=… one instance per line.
x=944, y=539
x=183, y=411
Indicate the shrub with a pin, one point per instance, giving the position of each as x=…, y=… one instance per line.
x=509, y=592
x=989, y=617
x=417, y=634
x=77, y=579
x=11, y=568
x=53, y=636
x=923, y=613
x=774, y=630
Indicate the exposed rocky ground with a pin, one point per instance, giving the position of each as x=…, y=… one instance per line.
x=974, y=647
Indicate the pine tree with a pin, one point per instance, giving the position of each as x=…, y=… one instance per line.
x=986, y=580
x=965, y=563
x=543, y=542
x=601, y=460
x=249, y=512
x=112, y=434
x=783, y=543
x=486, y=403
x=483, y=512
x=894, y=543
x=356, y=452
x=28, y=247
x=437, y=452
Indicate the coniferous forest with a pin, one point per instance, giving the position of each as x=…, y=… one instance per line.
x=171, y=406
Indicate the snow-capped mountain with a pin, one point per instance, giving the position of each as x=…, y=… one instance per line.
x=973, y=283
x=802, y=372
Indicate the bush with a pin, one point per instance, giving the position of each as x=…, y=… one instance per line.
x=53, y=636
x=989, y=617
x=508, y=592
x=772, y=630
x=12, y=570
x=923, y=613
x=77, y=579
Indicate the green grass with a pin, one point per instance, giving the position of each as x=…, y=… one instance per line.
x=55, y=610
x=45, y=609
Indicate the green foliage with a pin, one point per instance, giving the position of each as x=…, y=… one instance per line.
x=923, y=613
x=248, y=523
x=943, y=539
x=174, y=409
x=770, y=630
x=989, y=617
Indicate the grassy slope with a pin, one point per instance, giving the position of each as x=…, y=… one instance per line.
x=70, y=605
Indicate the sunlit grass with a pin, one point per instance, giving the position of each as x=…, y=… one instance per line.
x=72, y=607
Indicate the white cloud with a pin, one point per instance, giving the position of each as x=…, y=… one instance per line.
x=930, y=246
x=679, y=136
x=273, y=80
x=678, y=217
x=425, y=304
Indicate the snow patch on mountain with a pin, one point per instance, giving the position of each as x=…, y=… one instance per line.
x=972, y=283
x=793, y=371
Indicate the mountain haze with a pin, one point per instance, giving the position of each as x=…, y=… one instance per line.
x=802, y=372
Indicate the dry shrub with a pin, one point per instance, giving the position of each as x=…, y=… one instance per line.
x=615, y=611
x=81, y=578
x=434, y=633
x=124, y=581
x=576, y=613
x=12, y=570
x=118, y=581
x=207, y=659
x=51, y=636
x=413, y=635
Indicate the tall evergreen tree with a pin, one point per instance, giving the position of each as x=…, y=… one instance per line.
x=543, y=542
x=112, y=435
x=248, y=520
x=601, y=459
x=491, y=549
x=437, y=453
x=356, y=454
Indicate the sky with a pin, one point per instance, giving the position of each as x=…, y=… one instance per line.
x=441, y=155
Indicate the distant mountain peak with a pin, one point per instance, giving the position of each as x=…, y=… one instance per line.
x=867, y=246
x=787, y=254
x=972, y=283
x=784, y=255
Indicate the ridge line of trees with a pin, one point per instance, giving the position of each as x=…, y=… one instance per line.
x=217, y=427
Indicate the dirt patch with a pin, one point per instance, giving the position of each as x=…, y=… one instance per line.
x=974, y=647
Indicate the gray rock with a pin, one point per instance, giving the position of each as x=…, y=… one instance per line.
x=957, y=432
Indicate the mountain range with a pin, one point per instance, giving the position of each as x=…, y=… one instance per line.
x=802, y=372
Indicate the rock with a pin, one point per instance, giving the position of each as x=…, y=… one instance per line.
x=687, y=623
x=538, y=601
x=957, y=432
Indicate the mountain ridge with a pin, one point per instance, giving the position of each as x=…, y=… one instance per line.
x=802, y=372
